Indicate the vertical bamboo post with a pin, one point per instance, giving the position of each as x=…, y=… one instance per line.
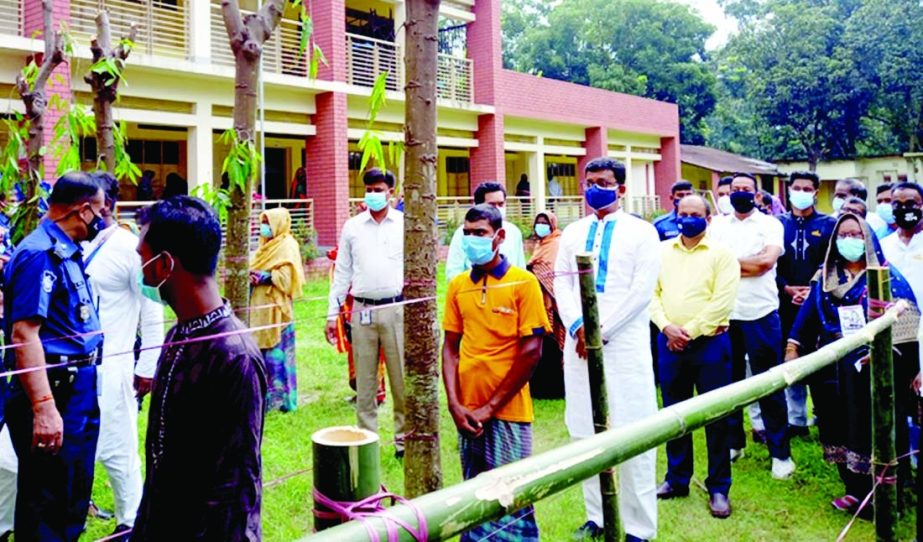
x=346, y=468
x=883, y=447
x=598, y=394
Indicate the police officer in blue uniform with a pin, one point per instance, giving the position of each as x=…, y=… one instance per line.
x=52, y=410
x=666, y=225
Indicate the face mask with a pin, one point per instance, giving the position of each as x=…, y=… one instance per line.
x=479, y=250
x=94, y=226
x=600, y=198
x=838, y=204
x=850, y=248
x=676, y=203
x=265, y=231
x=542, y=230
x=691, y=226
x=743, y=202
x=150, y=291
x=908, y=219
x=886, y=212
x=376, y=201
x=724, y=205
x=801, y=200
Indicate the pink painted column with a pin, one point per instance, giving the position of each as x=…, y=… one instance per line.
x=488, y=162
x=667, y=170
x=485, y=48
x=60, y=81
x=329, y=18
x=327, y=157
x=596, y=144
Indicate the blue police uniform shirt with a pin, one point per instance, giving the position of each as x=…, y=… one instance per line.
x=666, y=226
x=45, y=279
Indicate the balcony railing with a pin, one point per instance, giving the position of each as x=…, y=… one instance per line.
x=367, y=58
x=454, y=79
x=11, y=17
x=163, y=28
x=280, y=54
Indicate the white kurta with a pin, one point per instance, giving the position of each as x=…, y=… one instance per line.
x=115, y=274
x=9, y=466
x=627, y=264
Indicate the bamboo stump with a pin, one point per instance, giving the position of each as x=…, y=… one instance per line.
x=346, y=467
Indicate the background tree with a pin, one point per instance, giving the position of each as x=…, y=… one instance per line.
x=422, y=466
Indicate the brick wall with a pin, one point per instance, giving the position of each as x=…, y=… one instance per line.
x=596, y=145
x=329, y=18
x=488, y=161
x=328, y=167
x=667, y=170
x=485, y=48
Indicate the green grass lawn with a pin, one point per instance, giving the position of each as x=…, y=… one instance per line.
x=763, y=509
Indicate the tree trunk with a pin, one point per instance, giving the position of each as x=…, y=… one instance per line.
x=247, y=34
x=422, y=465
x=106, y=86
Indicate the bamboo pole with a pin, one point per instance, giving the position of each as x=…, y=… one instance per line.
x=598, y=394
x=504, y=490
x=884, y=453
x=346, y=467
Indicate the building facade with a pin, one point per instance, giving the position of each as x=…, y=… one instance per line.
x=493, y=123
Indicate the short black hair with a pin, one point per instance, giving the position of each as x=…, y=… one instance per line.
x=110, y=187
x=486, y=212
x=725, y=181
x=377, y=175
x=805, y=175
x=603, y=163
x=487, y=187
x=187, y=228
x=883, y=187
x=73, y=188
x=907, y=185
x=756, y=184
x=856, y=188
x=680, y=185
x=856, y=201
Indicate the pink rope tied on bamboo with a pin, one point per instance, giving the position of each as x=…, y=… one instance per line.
x=878, y=308
x=371, y=507
x=880, y=480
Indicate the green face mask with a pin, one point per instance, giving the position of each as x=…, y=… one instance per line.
x=851, y=248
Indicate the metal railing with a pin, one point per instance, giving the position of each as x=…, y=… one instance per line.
x=163, y=28
x=367, y=58
x=645, y=206
x=281, y=53
x=11, y=17
x=454, y=79
x=568, y=209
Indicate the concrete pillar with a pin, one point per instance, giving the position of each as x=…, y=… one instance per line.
x=596, y=144
x=200, y=147
x=200, y=36
x=329, y=19
x=488, y=161
x=485, y=48
x=60, y=81
x=537, y=176
x=667, y=170
x=632, y=190
x=327, y=167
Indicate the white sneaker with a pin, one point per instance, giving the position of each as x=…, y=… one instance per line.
x=736, y=454
x=782, y=469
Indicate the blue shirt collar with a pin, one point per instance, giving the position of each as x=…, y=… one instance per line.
x=497, y=272
x=62, y=245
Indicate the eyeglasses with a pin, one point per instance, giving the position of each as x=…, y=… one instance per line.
x=851, y=236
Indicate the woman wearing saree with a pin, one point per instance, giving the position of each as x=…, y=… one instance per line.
x=548, y=380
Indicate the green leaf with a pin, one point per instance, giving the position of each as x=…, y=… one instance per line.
x=316, y=58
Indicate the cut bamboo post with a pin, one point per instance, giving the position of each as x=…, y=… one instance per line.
x=346, y=467
x=884, y=465
x=598, y=394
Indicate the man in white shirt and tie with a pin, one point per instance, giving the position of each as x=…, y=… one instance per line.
x=370, y=266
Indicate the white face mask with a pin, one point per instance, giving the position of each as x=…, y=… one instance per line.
x=502, y=211
x=724, y=205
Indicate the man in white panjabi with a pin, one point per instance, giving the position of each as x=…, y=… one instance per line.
x=626, y=253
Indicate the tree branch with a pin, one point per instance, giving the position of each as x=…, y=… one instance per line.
x=270, y=15
x=47, y=10
x=121, y=51
x=233, y=22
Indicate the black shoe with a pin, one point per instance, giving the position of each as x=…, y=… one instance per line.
x=99, y=513
x=589, y=531
x=798, y=431
x=667, y=491
x=121, y=533
x=633, y=538
x=399, y=454
x=719, y=505
x=759, y=437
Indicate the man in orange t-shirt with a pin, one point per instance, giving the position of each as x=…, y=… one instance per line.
x=494, y=322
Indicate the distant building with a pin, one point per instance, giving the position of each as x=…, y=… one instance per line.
x=704, y=166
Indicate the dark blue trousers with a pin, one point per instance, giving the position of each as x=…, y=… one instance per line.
x=54, y=490
x=761, y=341
x=706, y=365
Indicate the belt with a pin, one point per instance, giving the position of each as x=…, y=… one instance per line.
x=376, y=302
x=65, y=376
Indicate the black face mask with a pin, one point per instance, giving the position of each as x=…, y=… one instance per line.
x=96, y=225
x=743, y=202
x=908, y=219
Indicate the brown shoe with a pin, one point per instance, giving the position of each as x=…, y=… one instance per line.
x=666, y=491
x=719, y=505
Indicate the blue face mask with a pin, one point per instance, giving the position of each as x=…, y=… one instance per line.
x=265, y=231
x=376, y=201
x=801, y=200
x=691, y=226
x=886, y=212
x=600, y=198
x=479, y=250
x=542, y=230
x=850, y=248
x=153, y=292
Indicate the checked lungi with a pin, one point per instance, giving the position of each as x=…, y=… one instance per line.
x=501, y=443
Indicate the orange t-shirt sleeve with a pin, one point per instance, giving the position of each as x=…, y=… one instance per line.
x=452, y=320
x=533, y=319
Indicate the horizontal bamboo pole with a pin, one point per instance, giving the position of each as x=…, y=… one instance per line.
x=504, y=490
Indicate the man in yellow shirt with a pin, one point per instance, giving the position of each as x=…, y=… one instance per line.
x=494, y=322
x=692, y=302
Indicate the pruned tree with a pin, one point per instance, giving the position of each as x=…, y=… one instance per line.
x=422, y=466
